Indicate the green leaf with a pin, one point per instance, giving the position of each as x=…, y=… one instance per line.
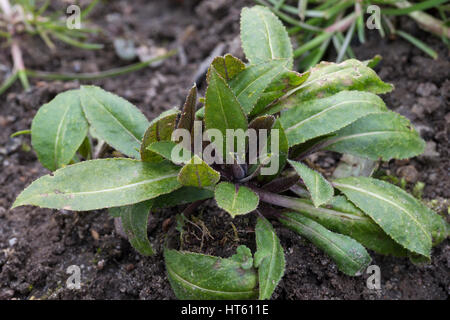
x=269, y=258
x=197, y=173
x=160, y=129
x=134, y=221
x=102, y=183
x=244, y=256
x=385, y=135
x=343, y=217
x=348, y=254
x=114, y=119
x=228, y=66
x=278, y=88
x=263, y=36
x=234, y=199
x=58, y=130
x=350, y=166
x=398, y=213
x=222, y=109
x=320, y=189
x=196, y=276
x=327, y=79
x=183, y=195
x=319, y=117
x=249, y=85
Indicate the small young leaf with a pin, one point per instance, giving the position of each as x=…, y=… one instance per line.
x=269, y=258
x=114, y=119
x=222, y=109
x=160, y=129
x=244, y=257
x=263, y=36
x=228, y=66
x=320, y=189
x=134, y=221
x=101, y=183
x=398, y=213
x=319, y=117
x=234, y=199
x=197, y=173
x=386, y=135
x=348, y=254
x=58, y=130
x=196, y=276
x=249, y=85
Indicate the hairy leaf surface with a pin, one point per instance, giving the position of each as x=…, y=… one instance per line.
x=102, y=183
x=222, y=109
x=160, y=129
x=263, y=36
x=197, y=173
x=269, y=258
x=319, y=117
x=249, y=85
x=397, y=212
x=234, y=199
x=134, y=221
x=320, y=189
x=114, y=119
x=202, y=277
x=58, y=130
x=348, y=254
x=386, y=135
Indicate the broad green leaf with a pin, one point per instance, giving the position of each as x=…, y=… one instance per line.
x=196, y=276
x=119, y=123
x=58, y=130
x=341, y=216
x=286, y=82
x=398, y=213
x=269, y=258
x=197, y=173
x=101, y=183
x=318, y=117
x=160, y=129
x=228, y=66
x=183, y=195
x=134, y=221
x=234, y=199
x=386, y=135
x=327, y=79
x=249, y=84
x=263, y=36
x=348, y=254
x=320, y=189
x=187, y=117
x=222, y=109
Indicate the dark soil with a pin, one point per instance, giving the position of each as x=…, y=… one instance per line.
x=37, y=245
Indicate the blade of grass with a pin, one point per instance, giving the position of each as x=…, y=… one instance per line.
x=424, y=5
x=346, y=43
x=97, y=75
x=8, y=82
x=419, y=44
x=75, y=43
